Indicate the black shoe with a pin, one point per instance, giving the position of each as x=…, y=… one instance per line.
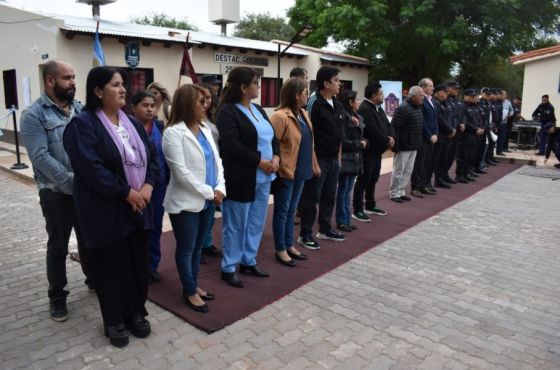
x=232, y=278
x=155, y=276
x=344, y=227
x=202, y=309
x=58, y=309
x=431, y=188
x=397, y=200
x=416, y=193
x=289, y=263
x=331, y=235
x=462, y=180
x=440, y=183
x=308, y=242
x=470, y=177
x=118, y=335
x=139, y=326
x=481, y=171
x=428, y=191
x=449, y=180
x=492, y=162
x=473, y=174
x=207, y=297
x=406, y=198
x=501, y=154
x=353, y=227
x=253, y=270
x=301, y=256
x=507, y=151
x=361, y=216
x=212, y=251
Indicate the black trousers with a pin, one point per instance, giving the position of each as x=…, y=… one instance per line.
x=121, y=272
x=422, y=165
x=320, y=190
x=467, y=153
x=453, y=145
x=438, y=155
x=441, y=166
x=60, y=217
x=365, y=183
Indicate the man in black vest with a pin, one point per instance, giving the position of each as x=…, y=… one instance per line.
x=377, y=132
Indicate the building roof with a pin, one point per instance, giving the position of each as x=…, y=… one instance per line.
x=166, y=34
x=536, y=55
x=330, y=56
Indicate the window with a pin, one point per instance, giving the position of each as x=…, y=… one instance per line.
x=345, y=85
x=10, y=88
x=137, y=80
x=269, y=92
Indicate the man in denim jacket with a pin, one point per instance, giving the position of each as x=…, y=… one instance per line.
x=42, y=126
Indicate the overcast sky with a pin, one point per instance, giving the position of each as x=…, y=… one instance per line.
x=195, y=10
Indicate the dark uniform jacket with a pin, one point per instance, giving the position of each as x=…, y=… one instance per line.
x=545, y=114
x=377, y=127
x=407, y=126
x=471, y=118
x=455, y=107
x=444, y=117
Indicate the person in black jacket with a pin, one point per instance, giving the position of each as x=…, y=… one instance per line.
x=469, y=140
x=422, y=164
x=327, y=119
x=378, y=133
x=545, y=115
x=553, y=145
x=351, y=158
x=115, y=170
x=407, y=127
x=250, y=157
x=445, y=133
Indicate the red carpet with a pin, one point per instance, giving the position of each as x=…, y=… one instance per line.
x=232, y=304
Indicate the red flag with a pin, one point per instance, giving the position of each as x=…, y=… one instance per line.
x=187, y=68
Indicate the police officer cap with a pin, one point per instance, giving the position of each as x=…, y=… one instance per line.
x=440, y=87
x=498, y=90
x=453, y=84
x=211, y=79
x=485, y=90
x=471, y=92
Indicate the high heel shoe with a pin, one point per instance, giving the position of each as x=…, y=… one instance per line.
x=203, y=308
x=289, y=263
x=117, y=334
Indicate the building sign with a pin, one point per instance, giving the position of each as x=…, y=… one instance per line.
x=132, y=54
x=240, y=59
x=226, y=69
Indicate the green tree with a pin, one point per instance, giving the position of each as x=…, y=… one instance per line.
x=410, y=39
x=164, y=20
x=263, y=27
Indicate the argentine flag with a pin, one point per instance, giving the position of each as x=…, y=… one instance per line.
x=98, y=56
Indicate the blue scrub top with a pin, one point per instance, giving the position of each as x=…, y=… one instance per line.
x=265, y=134
x=211, y=175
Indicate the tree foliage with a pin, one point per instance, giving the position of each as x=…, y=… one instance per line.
x=264, y=27
x=163, y=20
x=409, y=39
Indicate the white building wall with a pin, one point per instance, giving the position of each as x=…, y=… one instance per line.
x=541, y=77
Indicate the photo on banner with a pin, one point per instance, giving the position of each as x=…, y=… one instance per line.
x=393, y=96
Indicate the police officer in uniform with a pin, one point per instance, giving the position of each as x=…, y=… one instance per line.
x=468, y=144
x=445, y=133
x=456, y=108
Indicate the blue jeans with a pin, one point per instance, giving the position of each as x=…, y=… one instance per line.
x=155, y=233
x=286, y=201
x=190, y=229
x=243, y=225
x=543, y=138
x=345, y=185
x=502, y=137
x=209, y=239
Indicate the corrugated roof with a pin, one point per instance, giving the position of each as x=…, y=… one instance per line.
x=114, y=28
x=536, y=54
x=329, y=56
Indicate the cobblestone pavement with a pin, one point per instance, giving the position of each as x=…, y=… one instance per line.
x=476, y=287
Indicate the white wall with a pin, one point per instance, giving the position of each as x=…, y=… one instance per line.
x=541, y=77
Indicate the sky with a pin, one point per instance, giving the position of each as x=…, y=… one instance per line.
x=196, y=11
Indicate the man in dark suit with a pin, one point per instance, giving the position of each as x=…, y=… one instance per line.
x=421, y=173
x=445, y=133
x=377, y=132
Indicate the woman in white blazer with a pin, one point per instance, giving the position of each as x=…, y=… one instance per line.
x=196, y=186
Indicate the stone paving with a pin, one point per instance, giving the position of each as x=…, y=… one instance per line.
x=475, y=287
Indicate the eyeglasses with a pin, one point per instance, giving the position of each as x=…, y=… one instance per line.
x=138, y=155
